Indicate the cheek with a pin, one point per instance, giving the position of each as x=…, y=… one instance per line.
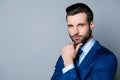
x=81, y=30
x=70, y=31
x=84, y=31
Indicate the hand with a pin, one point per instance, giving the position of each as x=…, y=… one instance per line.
x=69, y=53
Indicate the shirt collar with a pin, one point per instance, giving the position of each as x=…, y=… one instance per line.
x=86, y=48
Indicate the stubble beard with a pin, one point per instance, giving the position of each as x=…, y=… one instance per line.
x=83, y=39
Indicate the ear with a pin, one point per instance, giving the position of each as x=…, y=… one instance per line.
x=91, y=25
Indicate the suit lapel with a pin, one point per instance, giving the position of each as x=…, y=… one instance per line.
x=90, y=55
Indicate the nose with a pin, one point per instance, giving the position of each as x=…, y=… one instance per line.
x=76, y=30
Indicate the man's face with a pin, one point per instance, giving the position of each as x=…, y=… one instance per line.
x=78, y=28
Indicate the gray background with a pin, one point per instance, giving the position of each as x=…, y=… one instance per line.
x=32, y=33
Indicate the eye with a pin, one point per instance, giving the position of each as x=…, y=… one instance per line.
x=81, y=24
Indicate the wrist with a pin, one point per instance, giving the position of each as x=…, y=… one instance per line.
x=67, y=68
x=68, y=62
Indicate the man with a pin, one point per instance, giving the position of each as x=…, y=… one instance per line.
x=84, y=58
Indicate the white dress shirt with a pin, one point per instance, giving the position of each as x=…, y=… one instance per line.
x=86, y=48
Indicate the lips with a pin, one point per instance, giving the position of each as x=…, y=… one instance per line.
x=77, y=37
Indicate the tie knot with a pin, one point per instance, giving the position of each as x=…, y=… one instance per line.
x=80, y=51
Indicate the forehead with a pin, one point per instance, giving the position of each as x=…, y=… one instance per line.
x=80, y=17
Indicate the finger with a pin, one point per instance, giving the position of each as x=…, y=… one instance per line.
x=78, y=46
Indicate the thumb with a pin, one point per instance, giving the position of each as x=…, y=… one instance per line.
x=78, y=46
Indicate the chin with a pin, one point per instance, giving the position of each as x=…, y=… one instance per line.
x=76, y=43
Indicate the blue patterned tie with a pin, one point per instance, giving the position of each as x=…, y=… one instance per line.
x=77, y=58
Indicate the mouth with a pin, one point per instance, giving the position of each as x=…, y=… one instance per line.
x=77, y=37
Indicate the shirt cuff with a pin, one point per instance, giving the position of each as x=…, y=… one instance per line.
x=67, y=68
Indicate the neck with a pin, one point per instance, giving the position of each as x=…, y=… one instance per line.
x=88, y=40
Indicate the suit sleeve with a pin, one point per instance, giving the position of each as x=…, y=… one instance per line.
x=69, y=75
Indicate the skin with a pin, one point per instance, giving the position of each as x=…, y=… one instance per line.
x=80, y=31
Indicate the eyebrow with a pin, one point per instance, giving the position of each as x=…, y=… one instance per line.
x=69, y=25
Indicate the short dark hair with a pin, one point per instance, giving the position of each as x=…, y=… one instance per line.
x=80, y=8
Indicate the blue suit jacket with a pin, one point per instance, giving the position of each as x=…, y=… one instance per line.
x=99, y=64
